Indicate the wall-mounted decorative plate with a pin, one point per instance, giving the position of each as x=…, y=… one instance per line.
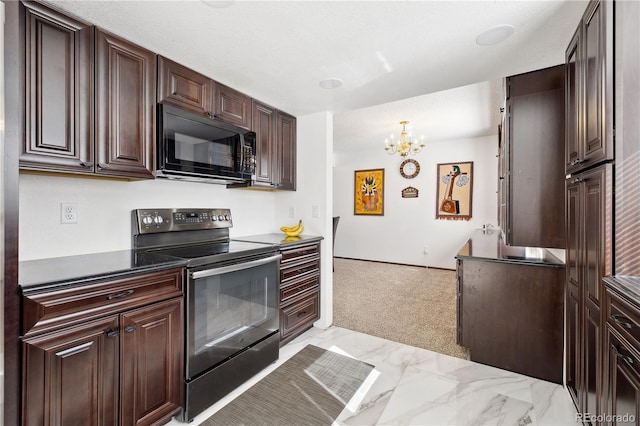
x=409, y=168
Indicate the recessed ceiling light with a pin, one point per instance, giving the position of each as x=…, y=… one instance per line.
x=331, y=83
x=495, y=35
x=219, y=4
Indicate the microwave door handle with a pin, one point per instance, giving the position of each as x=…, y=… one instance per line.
x=234, y=268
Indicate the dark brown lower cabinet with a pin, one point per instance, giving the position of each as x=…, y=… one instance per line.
x=121, y=361
x=510, y=315
x=621, y=352
x=299, y=289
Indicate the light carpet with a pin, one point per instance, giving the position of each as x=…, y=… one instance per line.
x=407, y=304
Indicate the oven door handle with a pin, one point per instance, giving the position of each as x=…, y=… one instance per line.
x=234, y=268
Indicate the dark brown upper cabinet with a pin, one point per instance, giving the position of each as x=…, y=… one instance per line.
x=184, y=88
x=232, y=106
x=59, y=91
x=89, y=98
x=286, y=150
x=125, y=107
x=531, y=160
x=589, y=60
x=264, y=124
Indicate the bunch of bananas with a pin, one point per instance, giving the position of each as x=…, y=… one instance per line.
x=293, y=231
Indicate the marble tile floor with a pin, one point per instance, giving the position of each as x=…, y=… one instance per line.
x=419, y=387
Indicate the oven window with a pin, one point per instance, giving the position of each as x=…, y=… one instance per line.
x=230, y=312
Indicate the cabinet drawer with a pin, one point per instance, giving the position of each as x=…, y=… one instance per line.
x=299, y=253
x=297, y=314
x=53, y=309
x=299, y=269
x=297, y=287
x=624, y=319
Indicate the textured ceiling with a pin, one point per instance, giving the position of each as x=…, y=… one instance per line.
x=383, y=51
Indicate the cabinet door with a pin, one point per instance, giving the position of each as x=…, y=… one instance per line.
x=184, y=88
x=59, y=92
x=592, y=360
x=286, y=150
x=125, y=107
x=71, y=376
x=232, y=106
x=151, y=363
x=623, y=380
x=573, y=98
x=597, y=36
x=264, y=125
x=573, y=340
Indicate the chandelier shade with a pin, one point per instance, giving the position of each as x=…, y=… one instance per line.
x=405, y=145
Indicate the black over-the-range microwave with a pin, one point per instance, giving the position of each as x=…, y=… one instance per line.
x=199, y=148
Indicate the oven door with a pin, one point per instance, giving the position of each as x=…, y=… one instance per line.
x=230, y=308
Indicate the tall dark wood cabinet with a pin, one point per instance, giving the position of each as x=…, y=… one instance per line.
x=59, y=91
x=264, y=124
x=125, y=107
x=589, y=201
x=531, y=189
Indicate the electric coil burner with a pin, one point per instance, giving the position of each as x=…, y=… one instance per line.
x=231, y=298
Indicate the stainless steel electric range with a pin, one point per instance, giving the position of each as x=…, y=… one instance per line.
x=231, y=298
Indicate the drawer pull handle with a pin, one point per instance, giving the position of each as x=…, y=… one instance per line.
x=130, y=329
x=113, y=333
x=120, y=295
x=622, y=355
x=622, y=320
x=303, y=313
x=104, y=166
x=86, y=164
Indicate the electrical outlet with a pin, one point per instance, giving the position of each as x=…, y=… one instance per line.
x=68, y=213
x=292, y=212
x=426, y=250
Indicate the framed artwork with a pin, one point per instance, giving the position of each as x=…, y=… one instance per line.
x=369, y=192
x=454, y=191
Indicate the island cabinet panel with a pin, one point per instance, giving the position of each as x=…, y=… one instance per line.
x=125, y=107
x=512, y=316
x=299, y=289
x=118, y=360
x=59, y=91
x=184, y=88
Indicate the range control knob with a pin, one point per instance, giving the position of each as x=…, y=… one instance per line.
x=220, y=217
x=214, y=217
x=147, y=220
x=227, y=217
x=157, y=220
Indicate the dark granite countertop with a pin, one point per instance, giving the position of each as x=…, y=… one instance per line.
x=626, y=286
x=39, y=274
x=488, y=245
x=279, y=239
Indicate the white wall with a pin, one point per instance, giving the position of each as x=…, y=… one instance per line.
x=104, y=211
x=314, y=158
x=409, y=224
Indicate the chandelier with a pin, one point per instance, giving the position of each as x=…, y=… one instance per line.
x=405, y=145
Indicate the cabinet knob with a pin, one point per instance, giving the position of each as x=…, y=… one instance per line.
x=103, y=165
x=86, y=164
